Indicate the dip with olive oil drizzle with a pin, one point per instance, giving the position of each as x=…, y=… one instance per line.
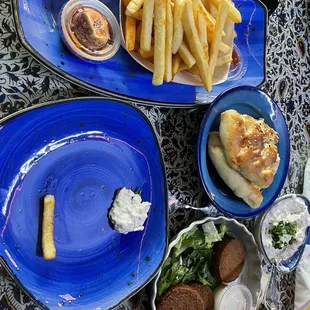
x=89, y=29
x=284, y=228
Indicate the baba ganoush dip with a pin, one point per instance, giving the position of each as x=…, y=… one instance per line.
x=89, y=29
x=284, y=228
x=128, y=212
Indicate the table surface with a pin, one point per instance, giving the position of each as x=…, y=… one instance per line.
x=24, y=82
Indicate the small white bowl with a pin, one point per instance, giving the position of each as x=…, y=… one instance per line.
x=289, y=264
x=252, y=271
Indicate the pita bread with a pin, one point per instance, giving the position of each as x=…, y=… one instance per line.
x=250, y=147
x=241, y=187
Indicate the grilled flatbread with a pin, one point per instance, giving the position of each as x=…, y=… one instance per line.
x=250, y=147
x=241, y=187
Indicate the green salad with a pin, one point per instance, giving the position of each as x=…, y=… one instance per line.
x=190, y=259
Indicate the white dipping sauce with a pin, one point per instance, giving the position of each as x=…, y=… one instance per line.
x=128, y=212
x=235, y=297
x=289, y=210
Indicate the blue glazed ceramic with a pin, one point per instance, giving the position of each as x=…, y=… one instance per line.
x=81, y=151
x=36, y=22
x=254, y=102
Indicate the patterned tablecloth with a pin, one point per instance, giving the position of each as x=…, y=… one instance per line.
x=24, y=82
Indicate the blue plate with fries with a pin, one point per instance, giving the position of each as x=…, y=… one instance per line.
x=81, y=151
x=122, y=76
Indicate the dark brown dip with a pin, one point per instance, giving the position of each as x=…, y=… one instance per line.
x=89, y=29
x=235, y=58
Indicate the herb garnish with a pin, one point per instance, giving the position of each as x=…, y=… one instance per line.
x=283, y=229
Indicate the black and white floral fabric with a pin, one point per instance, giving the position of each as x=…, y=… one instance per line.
x=24, y=82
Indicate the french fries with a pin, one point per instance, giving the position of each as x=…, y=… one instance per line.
x=183, y=66
x=203, y=33
x=48, y=246
x=176, y=61
x=147, y=25
x=182, y=35
x=196, y=48
x=233, y=13
x=133, y=7
x=213, y=10
x=160, y=39
x=136, y=46
x=149, y=54
x=177, y=25
x=186, y=55
x=223, y=48
x=209, y=19
x=169, y=37
x=220, y=23
x=194, y=70
x=206, y=4
x=138, y=32
x=130, y=33
x=227, y=59
x=137, y=15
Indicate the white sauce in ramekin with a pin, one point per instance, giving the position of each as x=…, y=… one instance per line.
x=232, y=297
x=288, y=210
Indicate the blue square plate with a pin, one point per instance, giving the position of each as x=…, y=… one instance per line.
x=36, y=22
x=81, y=151
x=254, y=102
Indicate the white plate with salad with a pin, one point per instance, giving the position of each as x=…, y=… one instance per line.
x=204, y=262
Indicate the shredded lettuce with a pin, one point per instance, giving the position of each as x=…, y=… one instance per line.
x=190, y=259
x=222, y=230
x=211, y=232
x=172, y=273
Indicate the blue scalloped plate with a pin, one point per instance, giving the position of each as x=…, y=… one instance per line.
x=36, y=22
x=81, y=151
x=254, y=102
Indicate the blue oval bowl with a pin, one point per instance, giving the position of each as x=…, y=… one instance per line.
x=81, y=151
x=252, y=101
x=122, y=76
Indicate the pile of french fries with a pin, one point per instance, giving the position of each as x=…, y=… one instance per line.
x=177, y=35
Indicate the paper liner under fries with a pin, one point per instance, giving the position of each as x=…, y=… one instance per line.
x=184, y=77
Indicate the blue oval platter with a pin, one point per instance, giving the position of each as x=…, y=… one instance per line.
x=254, y=102
x=121, y=76
x=81, y=151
